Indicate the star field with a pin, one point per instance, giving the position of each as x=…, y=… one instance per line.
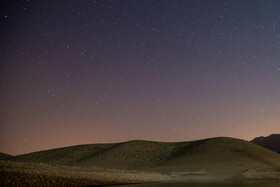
x=76, y=72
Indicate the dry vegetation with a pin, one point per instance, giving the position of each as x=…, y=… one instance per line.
x=16, y=173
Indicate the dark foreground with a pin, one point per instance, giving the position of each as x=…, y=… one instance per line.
x=265, y=183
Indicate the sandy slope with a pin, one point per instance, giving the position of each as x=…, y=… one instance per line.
x=210, y=159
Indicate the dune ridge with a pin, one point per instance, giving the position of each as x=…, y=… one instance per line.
x=209, y=155
x=219, y=158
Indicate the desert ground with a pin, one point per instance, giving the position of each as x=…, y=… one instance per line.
x=211, y=162
x=258, y=183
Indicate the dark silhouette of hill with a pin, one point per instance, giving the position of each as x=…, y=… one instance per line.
x=219, y=156
x=4, y=156
x=271, y=142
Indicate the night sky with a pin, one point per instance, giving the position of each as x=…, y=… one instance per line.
x=79, y=72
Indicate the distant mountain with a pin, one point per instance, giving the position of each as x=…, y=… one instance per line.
x=4, y=156
x=271, y=142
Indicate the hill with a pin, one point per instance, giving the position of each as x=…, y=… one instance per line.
x=210, y=158
x=271, y=142
x=4, y=156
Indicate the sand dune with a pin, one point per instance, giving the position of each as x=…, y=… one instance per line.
x=215, y=159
